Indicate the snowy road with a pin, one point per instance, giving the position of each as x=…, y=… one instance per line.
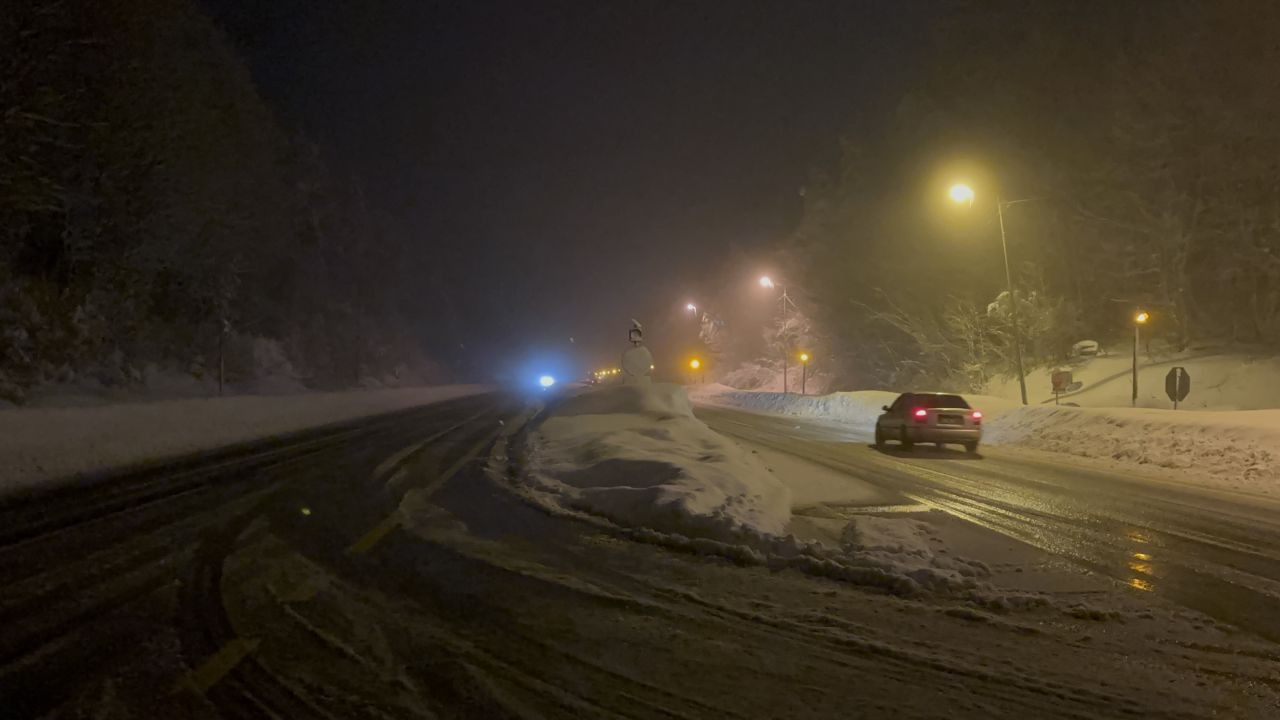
x=1216, y=552
x=392, y=572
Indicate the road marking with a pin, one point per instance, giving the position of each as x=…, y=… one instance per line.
x=218, y=665
x=371, y=538
x=392, y=521
x=403, y=454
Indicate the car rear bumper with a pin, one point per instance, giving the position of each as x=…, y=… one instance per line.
x=944, y=434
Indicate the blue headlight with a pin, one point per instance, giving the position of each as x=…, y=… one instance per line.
x=546, y=381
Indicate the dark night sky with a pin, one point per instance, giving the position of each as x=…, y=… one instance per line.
x=570, y=166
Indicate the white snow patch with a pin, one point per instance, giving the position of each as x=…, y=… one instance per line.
x=1219, y=381
x=39, y=445
x=636, y=454
x=1237, y=450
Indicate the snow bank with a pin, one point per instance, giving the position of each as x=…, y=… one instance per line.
x=636, y=454
x=43, y=444
x=853, y=408
x=858, y=409
x=636, y=459
x=1239, y=449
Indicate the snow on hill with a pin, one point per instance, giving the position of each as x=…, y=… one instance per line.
x=1219, y=381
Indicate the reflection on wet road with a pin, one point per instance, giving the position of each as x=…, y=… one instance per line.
x=1216, y=552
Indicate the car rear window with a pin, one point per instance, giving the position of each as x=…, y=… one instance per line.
x=940, y=401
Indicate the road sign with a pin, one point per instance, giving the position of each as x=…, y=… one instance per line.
x=1177, y=385
x=1061, y=379
x=1061, y=383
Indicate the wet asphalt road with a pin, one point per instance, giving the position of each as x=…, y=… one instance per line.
x=1213, y=551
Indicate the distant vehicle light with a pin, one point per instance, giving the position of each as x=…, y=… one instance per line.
x=977, y=417
x=920, y=414
x=546, y=381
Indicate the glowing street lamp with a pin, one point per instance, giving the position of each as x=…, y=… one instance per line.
x=804, y=370
x=694, y=366
x=1139, y=320
x=786, y=302
x=691, y=308
x=962, y=194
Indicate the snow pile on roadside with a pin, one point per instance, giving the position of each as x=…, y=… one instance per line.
x=634, y=458
x=1239, y=449
x=636, y=454
x=47, y=444
x=853, y=408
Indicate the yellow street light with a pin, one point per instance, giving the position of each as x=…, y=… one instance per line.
x=804, y=357
x=961, y=193
x=1139, y=320
x=695, y=363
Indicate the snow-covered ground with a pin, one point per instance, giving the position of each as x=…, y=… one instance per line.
x=1235, y=450
x=1219, y=381
x=43, y=444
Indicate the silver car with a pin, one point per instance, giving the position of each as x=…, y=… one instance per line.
x=938, y=418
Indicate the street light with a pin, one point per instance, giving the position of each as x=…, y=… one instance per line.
x=691, y=308
x=1139, y=320
x=694, y=365
x=963, y=194
x=786, y=302
x=804, y=370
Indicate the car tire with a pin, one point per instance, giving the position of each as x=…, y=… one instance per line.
x=879, y=437
x=971, y=447
x=906, y=442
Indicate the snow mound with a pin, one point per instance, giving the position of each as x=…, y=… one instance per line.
x=859, y=408
x=635, y=458
x=1234, y=449
x=637, y=455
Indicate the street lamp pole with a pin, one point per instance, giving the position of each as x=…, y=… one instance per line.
x=1138, y=321
x=1013, y=302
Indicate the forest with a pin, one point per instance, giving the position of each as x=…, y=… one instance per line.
x=155, y=217
x=1136, y=160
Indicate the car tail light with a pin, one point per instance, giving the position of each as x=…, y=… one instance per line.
x=977, y=417
x=920, y=414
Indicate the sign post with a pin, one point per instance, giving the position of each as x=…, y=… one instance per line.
x=1177, y=385
x=1061, y=383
